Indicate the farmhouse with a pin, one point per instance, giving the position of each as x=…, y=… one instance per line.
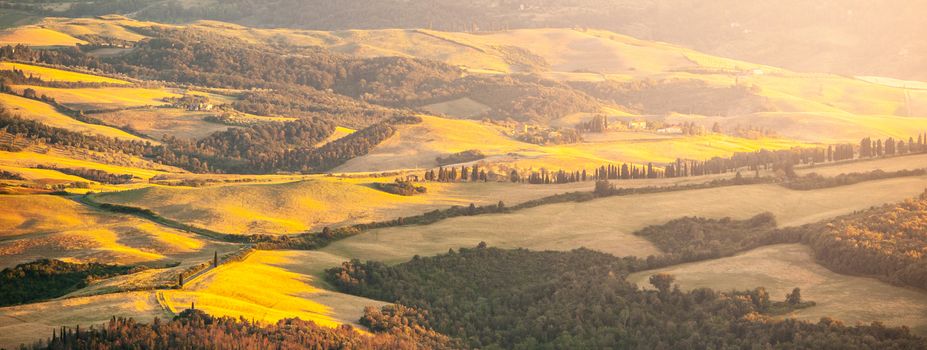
x=672, y=130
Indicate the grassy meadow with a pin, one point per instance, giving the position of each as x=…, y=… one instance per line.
x=779, y=268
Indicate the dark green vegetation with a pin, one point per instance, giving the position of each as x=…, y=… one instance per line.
x=693, y=239
x=6, y=175
x=94, y=175
x=46, y=279
x=461, y=157
x=194, y=329
x=518, y=299
x=399, y=187
x=815, y=181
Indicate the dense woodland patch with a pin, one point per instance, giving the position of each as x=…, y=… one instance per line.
x=518, y=299
x=194, y=329
x=46, y=279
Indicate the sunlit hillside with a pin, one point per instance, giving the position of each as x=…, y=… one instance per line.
x=58, y=75
x=481, y=184
x=417, y=146
x=42, y=112
x=54, y=227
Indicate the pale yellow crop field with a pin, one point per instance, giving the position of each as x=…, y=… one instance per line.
x=160, y=122
x=43, y=226
x=779, y=268
x=102, y=98
x=340, y=132
x=295, y=207
x=269, y=286
x=48, y=115
x=28, y=323
x=607, y=224
x=37, y=36
x=463, y=108
x=417, y=146
x=908, y=162
x=52, y=74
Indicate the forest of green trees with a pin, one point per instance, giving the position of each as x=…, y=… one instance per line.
x=46, y=279
x=519, y=299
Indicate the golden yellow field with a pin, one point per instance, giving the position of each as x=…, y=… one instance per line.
x=52, y=74
x=36, y=36
x=780, y=268
x=46, y=114
x=102, y=98
x=46, y=226
x=241, y=289
x=294, y=207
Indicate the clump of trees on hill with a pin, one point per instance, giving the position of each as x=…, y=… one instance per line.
x=461, y=157
x=194, y=329
x=518, y=299
x=46, y=279
x=400, y=187
x=693, y=239
x=6, y=175
x=887, y=242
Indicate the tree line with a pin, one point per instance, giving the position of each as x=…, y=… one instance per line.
x=780, y=160
x=194, y=329
x=93, y=175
